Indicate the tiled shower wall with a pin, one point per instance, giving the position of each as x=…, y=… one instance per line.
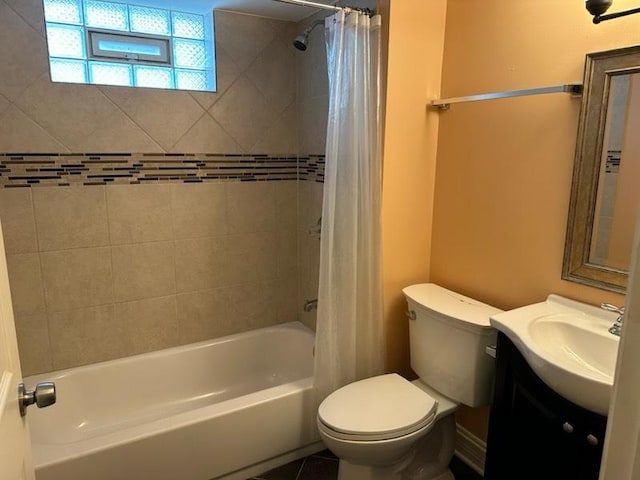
x=254, y=110
x=103, y=272
x=313, y=104
x=113, y=269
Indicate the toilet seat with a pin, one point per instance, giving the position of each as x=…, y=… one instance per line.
x=377, y=408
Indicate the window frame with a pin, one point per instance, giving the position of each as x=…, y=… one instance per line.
x=94, y=36
x=206, y=74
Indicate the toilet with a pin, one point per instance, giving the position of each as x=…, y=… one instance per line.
x=387, y=427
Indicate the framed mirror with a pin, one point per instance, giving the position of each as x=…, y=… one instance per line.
x=605, y=192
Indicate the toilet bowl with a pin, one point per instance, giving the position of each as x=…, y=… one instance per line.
x=414, y=423
x=388, y=428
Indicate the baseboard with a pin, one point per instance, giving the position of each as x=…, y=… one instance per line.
x=470, y=449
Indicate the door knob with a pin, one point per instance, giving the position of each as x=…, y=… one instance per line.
x=43, y=396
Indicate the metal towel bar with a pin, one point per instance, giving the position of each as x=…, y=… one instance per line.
x=445, y=103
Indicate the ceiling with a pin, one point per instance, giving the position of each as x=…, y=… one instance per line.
x=263, y=8
x=270, y=8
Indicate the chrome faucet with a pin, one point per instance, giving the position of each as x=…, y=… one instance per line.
x=616, y=328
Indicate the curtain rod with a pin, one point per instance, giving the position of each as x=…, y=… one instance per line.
x=573, y=88
x=307, y=3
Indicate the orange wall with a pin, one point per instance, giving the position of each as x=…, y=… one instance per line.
x=416, y=37
x=504, y=167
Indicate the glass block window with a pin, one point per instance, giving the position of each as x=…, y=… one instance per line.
x=114, y=43
x=68, y=71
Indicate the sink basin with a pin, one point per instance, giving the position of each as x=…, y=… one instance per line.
x=568, y=345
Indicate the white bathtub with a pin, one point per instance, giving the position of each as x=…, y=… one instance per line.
x=230, y=408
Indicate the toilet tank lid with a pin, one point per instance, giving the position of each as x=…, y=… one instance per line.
x=450, y=304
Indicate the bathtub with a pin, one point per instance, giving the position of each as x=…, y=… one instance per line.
x=225, y=408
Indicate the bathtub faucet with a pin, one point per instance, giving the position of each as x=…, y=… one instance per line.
x=310, y=305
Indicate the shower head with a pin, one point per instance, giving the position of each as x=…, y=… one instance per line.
x=301, y=41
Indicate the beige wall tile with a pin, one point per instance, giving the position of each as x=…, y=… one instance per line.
x=313, y=80
x=139, y=213
x=201, y=263
x=242, y=37
x=252, y=223
x=206, y=314
x=23, y=60
x=165, y=115
x=62, y=109
x=226, y=73
x=86, y=335
x=310, y=205
x=309, y=211
x=250, y=257
x=77, y=278
x=273, y=73
x=31, y=11
x=251, y=206
x=33, y=343
x=149, y=324
x=255, y=305
x=25, y=281
x=312, y=136
x=286, y=31
x=199, y=209
x=206, y=136
x=143, y=270
x=4, y=104
x=19, y=133
x=118, y=133
x=70, y=217
x=18, y=223
x=287, y=228
x=244, y=113
x=281, y=137
x=287, y=299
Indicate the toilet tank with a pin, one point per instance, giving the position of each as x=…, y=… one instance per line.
x=448, y=334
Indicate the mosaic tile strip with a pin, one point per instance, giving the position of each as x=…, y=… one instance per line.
x=26, y=170
x=311, y=168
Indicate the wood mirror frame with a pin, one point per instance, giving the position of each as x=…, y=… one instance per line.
x=600, y=67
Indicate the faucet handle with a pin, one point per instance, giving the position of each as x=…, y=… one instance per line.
x=612, y=308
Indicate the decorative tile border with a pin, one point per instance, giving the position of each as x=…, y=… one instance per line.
x=311, y=168
x=27, y=170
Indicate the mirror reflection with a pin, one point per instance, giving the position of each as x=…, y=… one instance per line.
x=618, y=194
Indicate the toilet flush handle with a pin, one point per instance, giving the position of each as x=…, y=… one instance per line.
x=411, y=315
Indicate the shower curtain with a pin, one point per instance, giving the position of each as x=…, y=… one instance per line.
x=349, y=330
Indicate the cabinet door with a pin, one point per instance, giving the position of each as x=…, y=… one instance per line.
x=533, y=432
x=543, y=445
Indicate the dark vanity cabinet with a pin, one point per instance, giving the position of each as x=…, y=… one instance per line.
x=534, y=433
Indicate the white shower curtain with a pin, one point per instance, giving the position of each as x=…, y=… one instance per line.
x=349, y=330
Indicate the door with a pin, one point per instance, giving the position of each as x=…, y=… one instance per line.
x=621, y=459
x=15, y=450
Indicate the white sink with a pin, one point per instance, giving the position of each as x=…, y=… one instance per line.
x=568, y=345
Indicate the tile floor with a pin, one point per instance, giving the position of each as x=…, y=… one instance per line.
x=324, y=466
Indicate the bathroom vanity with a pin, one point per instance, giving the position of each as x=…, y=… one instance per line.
x=535, y=433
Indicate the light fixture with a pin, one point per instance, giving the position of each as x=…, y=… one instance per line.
x=598, y=7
